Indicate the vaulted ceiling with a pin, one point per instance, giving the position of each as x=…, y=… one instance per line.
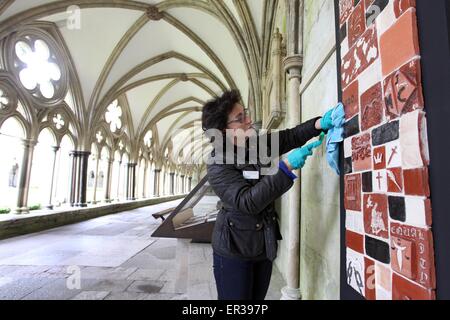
x=166, y=58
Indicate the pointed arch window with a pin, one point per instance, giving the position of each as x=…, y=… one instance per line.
x=38, y=72
x=113, y=116
x=148, y=139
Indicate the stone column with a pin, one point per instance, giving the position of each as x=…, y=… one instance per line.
x=156, y=182
x=118, y=181
x=131, y=181
x=83, y=174
x=55, y=152
x=293, y=66
x=144, y=182
x=182, y=184
x=74, y=184
x=172, y=183
x=108, y=181
x=94, y=198
x=190, y=184
x=25, y=174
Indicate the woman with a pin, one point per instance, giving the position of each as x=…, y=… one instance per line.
x=246, y=230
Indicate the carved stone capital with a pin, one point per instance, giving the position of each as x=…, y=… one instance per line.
x=293, y=65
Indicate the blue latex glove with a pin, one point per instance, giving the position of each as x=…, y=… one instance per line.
x=297, y=158
x=327, y=122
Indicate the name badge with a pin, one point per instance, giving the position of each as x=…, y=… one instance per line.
x=251, y=175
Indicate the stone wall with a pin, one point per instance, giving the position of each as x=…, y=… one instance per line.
x=35, y=222
x=319, y=265
x=319, y=252
x=390, y=251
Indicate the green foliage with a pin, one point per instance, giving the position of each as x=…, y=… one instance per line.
x=5, y=210
x=35, y=207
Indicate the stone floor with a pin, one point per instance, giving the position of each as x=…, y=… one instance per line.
x=110, y=258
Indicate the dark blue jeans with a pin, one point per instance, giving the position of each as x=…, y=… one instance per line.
x=241, y=280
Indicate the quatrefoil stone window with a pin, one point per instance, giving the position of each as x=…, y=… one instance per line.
x=99, y=137
x=4, y=101
x=113, y=116
x=59, y=122
x=38, y=71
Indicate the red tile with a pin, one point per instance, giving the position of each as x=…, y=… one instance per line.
x=350, y=98
x=360, y=56
x=371, y=107
x=370, y=279
x=395, y=180
x=362, y=153
x=400, y=43
x=356, y=24
x=418, y=244
x=354, y=241
x=403, y=289
x=352, y=191
x=403, y=90
x=416, y=182
x=379, y=158
x=402, y=255
x=368, y=3
x=345, y=8
x=428, y=212
x=400, y=6
x=376, y=215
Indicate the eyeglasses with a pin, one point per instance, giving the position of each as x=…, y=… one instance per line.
x=241, y=117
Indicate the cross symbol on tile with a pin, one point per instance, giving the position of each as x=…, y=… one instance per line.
x=379, y=177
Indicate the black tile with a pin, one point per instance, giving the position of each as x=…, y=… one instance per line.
x=397, y=208
x=351, y=127
x=367, y=181
x=386, y=133
x=348, y=165
x=343, y=32
x=375, y=10
x=378, y=250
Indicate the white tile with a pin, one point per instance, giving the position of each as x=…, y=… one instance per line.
x=354, y=221
x=386, y=19
x=415, y=212
x=348, y=147
x=356, y=271
x=370, y=77
x=410, y=139
x=344, y=47
x=379, y=181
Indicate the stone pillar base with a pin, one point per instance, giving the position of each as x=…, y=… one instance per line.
x=49, y=207
x=24, y=210
x=290, y=294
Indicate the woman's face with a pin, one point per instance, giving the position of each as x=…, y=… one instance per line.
x=240, y=125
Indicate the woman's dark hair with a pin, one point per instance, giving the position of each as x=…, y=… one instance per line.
x=215, y=112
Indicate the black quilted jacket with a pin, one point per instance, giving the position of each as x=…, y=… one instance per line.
x=247, y=225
